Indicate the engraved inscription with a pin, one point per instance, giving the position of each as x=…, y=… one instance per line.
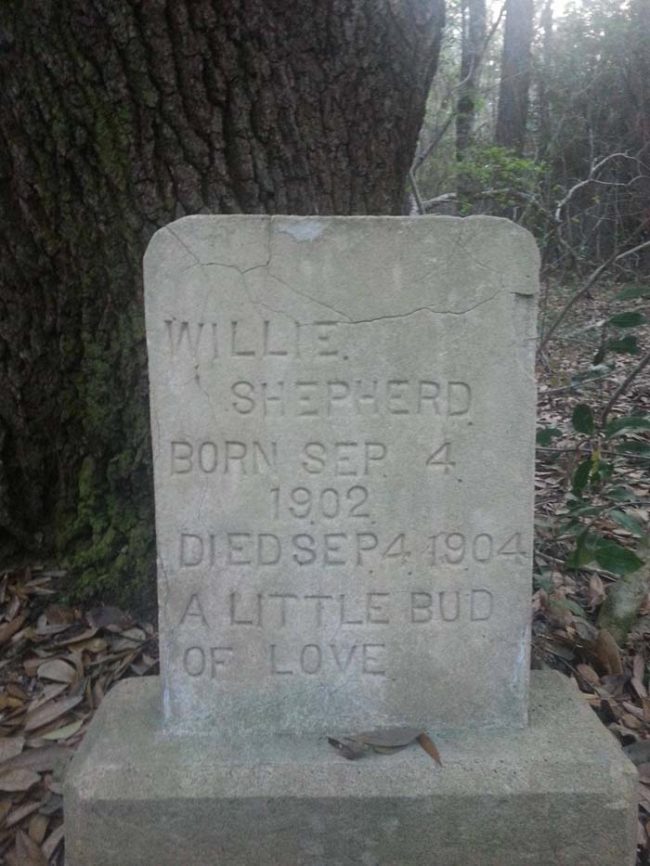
x=249, y=339
x=340, y=398
x=326, y=503
x=312, y=658
x=231, y=456
x=197, y=660
x=453, y=548
x=374, y=608
x=362, y=548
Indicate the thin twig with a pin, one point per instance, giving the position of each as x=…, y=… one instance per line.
x=622, y=388
x=416, y=192
x=593, y=278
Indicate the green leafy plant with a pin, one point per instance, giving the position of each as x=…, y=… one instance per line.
x=596, y=494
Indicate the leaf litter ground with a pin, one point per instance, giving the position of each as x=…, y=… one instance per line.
x=57, y=662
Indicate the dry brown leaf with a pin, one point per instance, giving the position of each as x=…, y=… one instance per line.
x=18, y=780
x=7, y=702
x=10, y=747
x=638, y=670
x=9, y=629
x=57, y=670
x=429, y=747
x=596, y=591
x=16, y=691
x=41, y=760
x=59, y=614
x=588, y=674
x=64, y=732
x=53, y=841
x=85, y=635
x=93, y=645
x=129, y=640
x=31, y=666
x=607, y=652
x=38, y=828
x=28, y=852
x=48, y=693
x=631, y=721
x=45, y=629
x=52, y=710
x=21, y=812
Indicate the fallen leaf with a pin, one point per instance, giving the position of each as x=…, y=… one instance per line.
x=52, y=710
x=22, y=812
x=129, y=639
x=9, y=629
x=429, y=747
x=49, y=692
x=10, y=747
x=596, y=591
x=607, y=652
x=28, y=852
x=38, y=828
x=64, y=732
x=82, y=636
x=638, y=670
x=18, y=780
x=383, y=741
x=57, y=670
x=47, y=759
x=348, y=748
x=9, y=702
x=16, y=691
x=53, y=841
x=5, y=808
x=588, y=674
x=59, y=614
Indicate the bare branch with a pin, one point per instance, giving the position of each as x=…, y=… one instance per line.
x=593, y=278
x=622, y=388
x=595, y=167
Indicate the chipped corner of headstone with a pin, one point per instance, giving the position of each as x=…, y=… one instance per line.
x=302, y=229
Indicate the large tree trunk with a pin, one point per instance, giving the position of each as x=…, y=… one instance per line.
x=117, y=116
x=512, y=113
x=473, y=37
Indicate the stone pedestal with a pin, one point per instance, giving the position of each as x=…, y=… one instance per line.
x=557, y=793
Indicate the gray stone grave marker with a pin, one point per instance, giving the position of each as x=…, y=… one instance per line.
x=344, y=429
x=342, y=417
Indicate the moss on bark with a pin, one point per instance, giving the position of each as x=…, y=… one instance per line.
x=117, y=117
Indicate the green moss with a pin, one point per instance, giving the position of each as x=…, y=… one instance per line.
x=105, y=538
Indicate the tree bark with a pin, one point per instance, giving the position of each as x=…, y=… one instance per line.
x=473, y=37
x=116, y=117
x=512, y=113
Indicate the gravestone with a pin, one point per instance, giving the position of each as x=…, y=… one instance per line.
x=343, y=416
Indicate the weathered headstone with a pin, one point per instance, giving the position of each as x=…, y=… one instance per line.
x=343, y=430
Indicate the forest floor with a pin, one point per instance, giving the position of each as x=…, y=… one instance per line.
x=58, y=661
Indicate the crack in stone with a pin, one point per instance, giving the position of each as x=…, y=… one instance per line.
x=430, y=310
x=346, y=319
x=184, y=245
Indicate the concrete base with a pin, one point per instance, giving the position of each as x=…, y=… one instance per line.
x=559, y=793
